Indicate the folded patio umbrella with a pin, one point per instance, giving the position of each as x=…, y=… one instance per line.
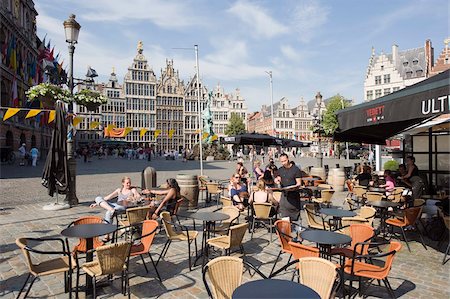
x=251, y=139
x=56, y=170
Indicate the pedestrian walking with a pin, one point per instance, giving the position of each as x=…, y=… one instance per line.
x=22, y=152
x=34, y=155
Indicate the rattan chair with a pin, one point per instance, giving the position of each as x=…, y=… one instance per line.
x=226, y=201
x=359, y=232
x=261, y=214
x=225, y=275
x=111, y=259
x=149, y=228
x=232, y=240
x=277, y=195
x=374, y=196
x=313, y=219
x=81, y=246
x=135, y=215
x=318, y=274
x=223, y=227
x=202, y=180
x=348, y=221
x=359, y=191
x=325, y=186
x=325, y=197
x=214, y=190
x=367, y=213
x=396, y=195
x=177, y=232
x=65, y=263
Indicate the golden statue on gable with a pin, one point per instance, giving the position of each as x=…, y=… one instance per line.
x=140, y=47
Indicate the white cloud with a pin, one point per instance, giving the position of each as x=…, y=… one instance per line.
x=258, y=20
x=307, y=17
x=290, y=53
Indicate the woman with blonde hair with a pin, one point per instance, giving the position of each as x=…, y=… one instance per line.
x=263, y=195
x=126, y=197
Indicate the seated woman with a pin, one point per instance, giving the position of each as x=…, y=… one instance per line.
x=257, y=171
x=390, y=182
x=172, y=194
x=237, y=191
x=365, y=177
x=242, y=171
x=126, y=196
x=267, y=178
x=264, y=195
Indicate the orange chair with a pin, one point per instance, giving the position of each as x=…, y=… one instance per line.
x=149, y=228
x=283, y=229
x=411, y=215
x=301, y=251
x=357, y=268
x=81, y=246
x=359, y=233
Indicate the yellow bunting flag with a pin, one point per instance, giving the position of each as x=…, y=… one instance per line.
x=171, y=131
x=157, y=132
x=110, y=127
x=215, y=137
x=51, y=116
x=205, y=135
x=198, y=131
x=94, y=125
x=76, y=120
x=10, y=113
x=142, y=132
x=127, y=131
x=32, y=113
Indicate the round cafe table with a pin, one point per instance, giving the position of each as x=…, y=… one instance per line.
x=382, y=207
x=274, y=288
x=325, y=239
x=337, y=215
x=88, y=232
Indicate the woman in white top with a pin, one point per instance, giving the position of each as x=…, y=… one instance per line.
x=263, y=195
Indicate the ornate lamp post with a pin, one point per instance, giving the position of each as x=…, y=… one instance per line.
x=318, y=118
x=71, y=29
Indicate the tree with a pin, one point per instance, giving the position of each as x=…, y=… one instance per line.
x=235, y=125
x=330, y=122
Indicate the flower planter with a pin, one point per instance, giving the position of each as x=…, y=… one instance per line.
x=91, y=106
x=47, y=102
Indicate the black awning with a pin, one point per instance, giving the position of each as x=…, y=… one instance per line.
x=376, y=121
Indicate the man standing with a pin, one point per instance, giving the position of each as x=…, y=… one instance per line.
x=289, y=175
x=22, y=151
x=34, y=155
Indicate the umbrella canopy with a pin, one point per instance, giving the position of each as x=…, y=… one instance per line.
x=376, y=121
x=56, y=171
x=252, y=139
x=295, y=143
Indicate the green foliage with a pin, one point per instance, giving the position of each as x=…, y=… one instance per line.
x=391, y=165
x=235, y=125
x=329, y=122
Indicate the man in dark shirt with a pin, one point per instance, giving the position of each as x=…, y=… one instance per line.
x=289, y=175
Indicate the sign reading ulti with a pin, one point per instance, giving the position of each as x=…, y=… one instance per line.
x=432, y=106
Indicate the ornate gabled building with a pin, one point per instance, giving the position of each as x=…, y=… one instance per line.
x=443, y=61
x=140, y=96
x=169, y=109
x=284, y=121
x=191, y=111
x=303, y=121
x=114, y=112
x=388, y=73
x=223, y=105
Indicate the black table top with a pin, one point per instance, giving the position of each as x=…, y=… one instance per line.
x=273, y=288
x=209, y=216
x=86, y=231
x=339, y=213
x=383, y=204
x=325, y=237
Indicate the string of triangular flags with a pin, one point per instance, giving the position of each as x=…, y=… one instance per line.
x=109, y=130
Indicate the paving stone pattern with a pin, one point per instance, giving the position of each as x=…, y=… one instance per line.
x=415, y=274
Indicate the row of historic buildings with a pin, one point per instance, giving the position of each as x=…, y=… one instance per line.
x=386, y=73
x=165, y=107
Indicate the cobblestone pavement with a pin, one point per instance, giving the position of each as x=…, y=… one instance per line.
x=418, y=274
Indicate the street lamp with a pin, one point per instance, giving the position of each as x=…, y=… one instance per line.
x=271, y=101
x=319, y=126
x=71, y=29
x=200, y=123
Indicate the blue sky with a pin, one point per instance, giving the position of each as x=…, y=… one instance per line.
x=309, y=45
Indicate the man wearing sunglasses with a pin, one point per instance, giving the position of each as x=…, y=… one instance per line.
x=289, y=175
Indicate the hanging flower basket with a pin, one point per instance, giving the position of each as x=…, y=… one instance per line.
x=90, y=99
x=48, y=94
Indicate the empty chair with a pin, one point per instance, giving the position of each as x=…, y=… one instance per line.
x=318, y=274
x=176, y=232
x=111, y=259
x=81, y=246
x=300, y=251
x=223, y=227
x=374, y=196
x=226, y=201
x=325, y=186
x=410, y=217
x=213, y=189
x=396, y=195
x=283, y=230
x=352, y=205
x=367, y=213
x=232, y=240
x=347, y=222
x=359, y=191
x=315, y=220
x=135, y=215
x=65, y=263
x=356, y=267
x=261, y=214
x=359, y=232
x=325, y=197
x=419, y=202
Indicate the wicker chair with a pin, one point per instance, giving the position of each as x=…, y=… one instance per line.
x=325, y=186
x=314, y=220
x=111, y=259
x=202, y=180
x=325, y=197
x=214, y=189
x=318, y=274
x=411, y=215
x=374, y=196
x=135, y=215
x=226, y=201
x=347, y=222
x=232, y=240
x=359, y=191
x=225, y=275
x=367, y=213
x=81, y=246
x=223, y=227
x=261, y=214
x=149, y=228
x=277, y=195
x=176, y=232
x=355, y=267
x=63, y=264
x=396, y=195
